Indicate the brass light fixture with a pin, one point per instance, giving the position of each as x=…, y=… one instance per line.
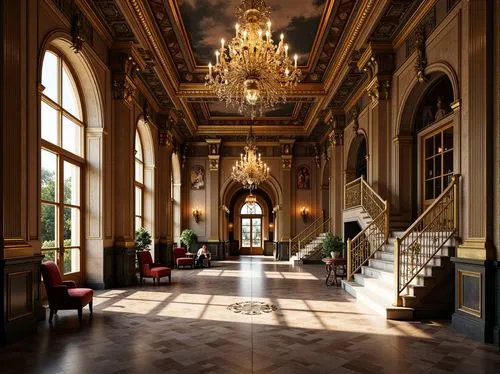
x=252, y=73
x=251, y=199
x=304, y=212
x=197, y=214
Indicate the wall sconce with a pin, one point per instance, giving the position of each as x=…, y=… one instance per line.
x=304, y=213
x=197, y=214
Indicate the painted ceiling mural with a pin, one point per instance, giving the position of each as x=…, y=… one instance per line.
x=207, y=21
x=189, y=31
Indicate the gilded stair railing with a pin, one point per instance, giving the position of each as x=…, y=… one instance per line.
x=361, y=248
x=297, y=243
x=426, y=237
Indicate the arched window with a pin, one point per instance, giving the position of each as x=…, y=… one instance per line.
x=62, y=125
x=253, y=209
x=139, y=182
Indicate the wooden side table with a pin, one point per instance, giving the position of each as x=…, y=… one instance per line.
x=336, y=268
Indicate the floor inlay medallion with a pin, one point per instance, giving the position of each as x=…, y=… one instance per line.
x=252, y=307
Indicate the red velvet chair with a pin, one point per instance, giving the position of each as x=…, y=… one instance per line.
x=150, y=269
x=63, y=295
x=180, y=258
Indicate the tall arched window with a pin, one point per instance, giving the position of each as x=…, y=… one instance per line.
x=139, y=182
x=62, y=125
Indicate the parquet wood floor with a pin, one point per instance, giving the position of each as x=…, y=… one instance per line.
x=186, y=327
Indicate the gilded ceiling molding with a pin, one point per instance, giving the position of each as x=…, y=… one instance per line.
x=377, y=62
x=410, y=26
x=170, y=81
x=124, y=62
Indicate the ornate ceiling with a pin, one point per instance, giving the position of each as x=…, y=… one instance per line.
x=176, y=40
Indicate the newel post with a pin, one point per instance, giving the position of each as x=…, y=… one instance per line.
x=349, y=275
x=397, y=269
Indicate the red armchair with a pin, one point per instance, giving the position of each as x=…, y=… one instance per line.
x=180, y=258
x=150, y=269
x=63, y=295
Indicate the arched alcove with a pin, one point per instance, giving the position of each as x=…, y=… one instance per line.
x=357, y=164
x=325, y=190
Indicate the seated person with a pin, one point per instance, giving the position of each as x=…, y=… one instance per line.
x=203, y=254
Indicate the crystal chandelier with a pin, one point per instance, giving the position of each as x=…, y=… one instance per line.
x=251, y=199
x=252, y=73
x=250, y=171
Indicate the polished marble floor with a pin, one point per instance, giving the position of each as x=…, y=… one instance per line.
x=186, y=327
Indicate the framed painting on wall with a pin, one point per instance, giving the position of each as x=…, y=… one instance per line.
x=197, y=178
x=303, y=178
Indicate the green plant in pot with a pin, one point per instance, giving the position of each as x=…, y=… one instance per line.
x=333, y=246
x=142, y=239
x=188, y=238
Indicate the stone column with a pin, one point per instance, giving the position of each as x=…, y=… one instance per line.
x=284, y=212
x=213, y=212
x=377, y=61
x=164, y=190
x=124, y=90
x=337, y=178
x=474, y=288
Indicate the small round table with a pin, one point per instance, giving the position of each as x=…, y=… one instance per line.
x=336, y=268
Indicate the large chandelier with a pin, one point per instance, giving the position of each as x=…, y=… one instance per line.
x=250, y=170
x=252, y=72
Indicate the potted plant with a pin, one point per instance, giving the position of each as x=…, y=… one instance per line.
x=188, y=238
x=333, y=246
x=142, y=239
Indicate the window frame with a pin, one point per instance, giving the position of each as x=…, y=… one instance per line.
x=63, y=155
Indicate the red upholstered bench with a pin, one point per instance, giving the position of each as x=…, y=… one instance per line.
x=64, y=295
x=180, y=258
x=149, y=269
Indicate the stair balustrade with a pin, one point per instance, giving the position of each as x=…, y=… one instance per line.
x=363, y=246
x=426, y=237
x=306, y=236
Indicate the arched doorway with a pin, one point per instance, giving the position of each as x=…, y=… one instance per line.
x=426, y=142
x=243, y=222
x=357, y=163
x=325, y=191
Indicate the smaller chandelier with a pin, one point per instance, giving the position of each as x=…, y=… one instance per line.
x=250, y=171
x=251, y=71
x=251, y=199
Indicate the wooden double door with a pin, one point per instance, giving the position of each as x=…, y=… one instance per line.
x=251, y=235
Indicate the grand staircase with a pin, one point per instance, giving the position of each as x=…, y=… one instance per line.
x=307, y=245
x=402, y=275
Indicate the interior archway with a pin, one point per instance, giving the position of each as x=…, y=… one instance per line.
x=237, y=221
x=357, y=164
